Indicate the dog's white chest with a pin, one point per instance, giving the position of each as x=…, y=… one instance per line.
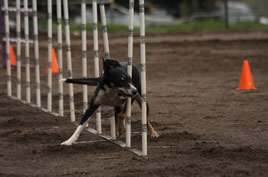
x=108, y=97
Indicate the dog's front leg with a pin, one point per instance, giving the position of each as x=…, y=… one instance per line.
x=81, y=126
x=75, y=135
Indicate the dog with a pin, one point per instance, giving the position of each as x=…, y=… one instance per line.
x=114, y=86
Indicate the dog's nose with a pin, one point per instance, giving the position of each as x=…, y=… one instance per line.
x=134, y=91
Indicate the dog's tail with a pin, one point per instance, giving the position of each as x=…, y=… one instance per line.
x=83, y=81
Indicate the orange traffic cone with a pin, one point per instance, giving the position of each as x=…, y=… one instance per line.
x=13, y=62
x=246, y=80
x=55, y=68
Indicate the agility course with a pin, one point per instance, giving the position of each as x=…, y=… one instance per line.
x=207, y=126
x=50, y=51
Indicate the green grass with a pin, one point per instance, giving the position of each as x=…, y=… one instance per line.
x=204, y=25
x=249, y=25
x=207, y=25
x=111, y=27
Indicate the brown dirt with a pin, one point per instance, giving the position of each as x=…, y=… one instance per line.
x=207, y=127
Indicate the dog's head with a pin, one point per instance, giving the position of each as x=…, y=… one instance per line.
x=116, y=77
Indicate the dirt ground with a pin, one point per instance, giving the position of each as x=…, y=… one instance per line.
x=207, y=127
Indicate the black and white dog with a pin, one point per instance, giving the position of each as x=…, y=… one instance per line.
x=113, y=88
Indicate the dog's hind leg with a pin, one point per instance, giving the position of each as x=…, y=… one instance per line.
x=119, y=121
x=154, y=133
x=81, y=126
x=122, y=118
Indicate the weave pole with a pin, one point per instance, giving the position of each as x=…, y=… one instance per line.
x=18, y=40
x=84, y=53
x=59, y=35
x=129, y=69
x=69, y=57
x=104, y=29
x=49, y=73
x=3, y=32
x=143, y=77
x=18, y=50
x=107, y=55
x=27, y=52
x=36, y=54
x=9, y=88
x=96, y=58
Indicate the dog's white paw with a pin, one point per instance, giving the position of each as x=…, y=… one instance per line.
x=75, y=136
x=67, y=143
x=63, y=79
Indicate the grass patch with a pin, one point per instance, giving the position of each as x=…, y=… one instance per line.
x=204, y=25
x=111, y=27
x=207, y=25
x=249, y=25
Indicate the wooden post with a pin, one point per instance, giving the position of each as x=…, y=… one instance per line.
x=226, y=14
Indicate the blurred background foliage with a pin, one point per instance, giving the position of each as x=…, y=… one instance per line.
x=170, y=15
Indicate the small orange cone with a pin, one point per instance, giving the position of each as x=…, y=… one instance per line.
x=13, y=62
x=55, y=68
x=246, y=80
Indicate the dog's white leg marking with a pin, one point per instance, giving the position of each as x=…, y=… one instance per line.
x=75, y=135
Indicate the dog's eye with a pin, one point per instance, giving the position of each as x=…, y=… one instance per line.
x=122, y=78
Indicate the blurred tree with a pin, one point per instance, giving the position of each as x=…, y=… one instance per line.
x=260, y=7
x=177, y=8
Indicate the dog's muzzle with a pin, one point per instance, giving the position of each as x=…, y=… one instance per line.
x=133, y=90
x=130, y=92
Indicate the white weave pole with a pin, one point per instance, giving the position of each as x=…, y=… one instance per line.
x=129, y=69
x=143, y=78
x=9, y=91
x=18, y=51
x=84, y=53
x=36, y=54
x=107, y=55
x=59, y=35
x=27, y=51
x=69, y=57
x=49, y=76
x=113, y=130
x=104, y=29
x=96, y=57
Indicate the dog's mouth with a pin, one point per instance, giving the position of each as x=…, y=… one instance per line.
x=127, y=93
x=124, y=94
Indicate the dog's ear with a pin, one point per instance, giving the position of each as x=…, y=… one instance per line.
x=105, y=64
x=109, y=63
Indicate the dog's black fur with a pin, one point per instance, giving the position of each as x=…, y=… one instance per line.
x=113, y=88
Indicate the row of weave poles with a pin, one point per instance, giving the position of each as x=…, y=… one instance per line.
x=27, y=41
